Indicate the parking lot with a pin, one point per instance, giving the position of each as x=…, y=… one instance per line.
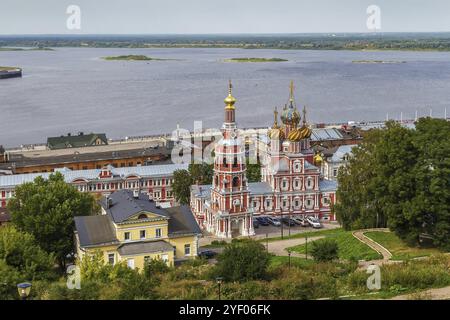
x=271, y=232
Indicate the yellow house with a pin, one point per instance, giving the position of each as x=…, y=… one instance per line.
x=134, y=228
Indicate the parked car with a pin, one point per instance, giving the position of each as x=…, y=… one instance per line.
x=255, y=223
x=314, y=222
x=263, y=221
x=301, y=222
x=287, y=221
x=274, y=221
x=208, y=254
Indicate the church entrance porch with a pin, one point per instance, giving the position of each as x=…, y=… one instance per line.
x=230, y=227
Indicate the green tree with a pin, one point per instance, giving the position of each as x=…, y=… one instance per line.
x=242, y=261
x=20, y=251
x=201, y=172
x=400, y=178
x=253, y=172
x=46, y=208
x=182, y=182
x=324, y=250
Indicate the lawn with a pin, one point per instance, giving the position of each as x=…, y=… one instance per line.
x=399, y=249
x=349, y=246
x=276, y=261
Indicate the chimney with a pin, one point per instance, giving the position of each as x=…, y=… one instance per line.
x=136, y=194
x=108, y=202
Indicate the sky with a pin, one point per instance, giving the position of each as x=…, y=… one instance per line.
x=221, y=16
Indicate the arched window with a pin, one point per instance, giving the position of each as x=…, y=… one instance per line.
x=142, y=216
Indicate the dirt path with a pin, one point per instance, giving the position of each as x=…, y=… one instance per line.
x=387, y=255
x=279, y=247
x=433, y=294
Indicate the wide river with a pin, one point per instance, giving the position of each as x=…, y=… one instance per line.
x=73, y=89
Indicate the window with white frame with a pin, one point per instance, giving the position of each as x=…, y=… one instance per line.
x=297, y=184
x=187, y=249
x=158, y=233
x=309, y=183
x=127, y=236
x=297, y=203
x=111, y=258
x=309, y=203
x=142, y=234
x=297, y=166
x=284, y=184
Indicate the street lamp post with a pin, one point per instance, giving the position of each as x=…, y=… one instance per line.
x=267, y=242
x=289, y=255
x=219, y=282
x=306, y=247
x=24, y=289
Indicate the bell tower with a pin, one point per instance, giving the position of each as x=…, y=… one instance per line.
x=230, y=195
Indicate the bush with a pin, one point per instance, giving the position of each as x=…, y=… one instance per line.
x=154, y=267
x=325, y=250
x=242, y=261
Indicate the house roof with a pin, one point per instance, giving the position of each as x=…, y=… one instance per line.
x=259, y=188
x=94, y=230
x=203, y=190
x=327, y=185
x=340, y=152
x=70, y=175
x=75, y=141
x=182, y=221
x=124, y=205
x=23, y=161
x=138, y=248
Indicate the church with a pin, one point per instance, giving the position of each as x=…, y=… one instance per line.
x=291, y=185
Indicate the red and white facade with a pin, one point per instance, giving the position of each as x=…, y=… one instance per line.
x=291, y=185
x=154, y=180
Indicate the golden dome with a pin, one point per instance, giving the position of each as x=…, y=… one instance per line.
x=318, y=158
x=305, y=132
x=276, y=133
x=290, y=115
x=295, y=135
x=229, y=100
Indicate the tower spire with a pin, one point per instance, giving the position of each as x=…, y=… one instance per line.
x=304, y=115
x=230, y=100
x=291, y=92
x=275, y=116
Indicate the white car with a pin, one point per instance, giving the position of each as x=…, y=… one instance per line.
x=314, y=222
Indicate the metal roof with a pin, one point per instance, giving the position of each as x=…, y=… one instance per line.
x=182, y=221
x=257, y=188
x=341, y=151
x=92, y=174
x=320, y=134
x=124, y=205
x=94, y=230
x=327, y=185
x=138, y=248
